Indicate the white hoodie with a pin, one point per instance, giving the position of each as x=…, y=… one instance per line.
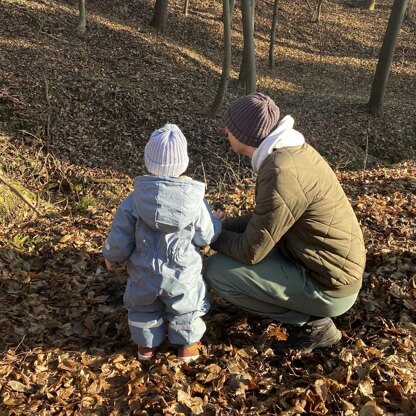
x=283, y=136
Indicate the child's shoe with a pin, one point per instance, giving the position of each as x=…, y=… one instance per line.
x=145, y=353
x=189, y=353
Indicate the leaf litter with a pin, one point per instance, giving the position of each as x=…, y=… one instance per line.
x=66, y=347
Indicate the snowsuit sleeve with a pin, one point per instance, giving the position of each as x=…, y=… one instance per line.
x=121, y=241
x=207, y=227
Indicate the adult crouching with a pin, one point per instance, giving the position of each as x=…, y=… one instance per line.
x=299, y=256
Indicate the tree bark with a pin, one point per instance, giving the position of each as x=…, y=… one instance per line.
x=319, y=10
x=273, y=33
x=364, y=4
x=248, y=67
x=82, y=22
x=386, y=56
x=370, y=4
x=225, y=75
x=160, y=15
x=185, y=7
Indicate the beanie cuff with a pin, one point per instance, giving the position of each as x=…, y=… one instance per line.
x=238, y=134
x=158, y=169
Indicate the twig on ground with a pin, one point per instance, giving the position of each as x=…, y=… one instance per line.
x=365, y=156
x=19, y=194
x=20, y=343
x=30, y=134
x=48, y=121
x=235, y=176
x=55, y=37
x=203, y=173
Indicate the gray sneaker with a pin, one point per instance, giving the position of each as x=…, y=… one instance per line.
x=319, y=333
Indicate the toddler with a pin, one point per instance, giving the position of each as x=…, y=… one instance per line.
x=158, y=230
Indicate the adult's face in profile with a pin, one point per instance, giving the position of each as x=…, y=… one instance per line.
x=237, y=146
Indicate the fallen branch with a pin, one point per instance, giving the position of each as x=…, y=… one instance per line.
x=203, y=172
x=19, y=194
x=48, y=121
x=55, y=37
x=365, y=157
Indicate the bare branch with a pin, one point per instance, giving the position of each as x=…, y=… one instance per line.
x=19, y=194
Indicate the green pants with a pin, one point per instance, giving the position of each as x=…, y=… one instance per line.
x=275, y=287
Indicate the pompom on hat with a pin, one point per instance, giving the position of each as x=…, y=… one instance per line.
x=252, y=118
x=166, y=152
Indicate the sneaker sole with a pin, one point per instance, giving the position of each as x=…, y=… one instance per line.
x=189, y=359
x=145, y=357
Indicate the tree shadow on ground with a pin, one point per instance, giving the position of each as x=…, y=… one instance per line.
x=64, y=301
x=109, y=90
x=57, y=300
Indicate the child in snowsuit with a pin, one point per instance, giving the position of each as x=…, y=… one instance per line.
x=158, y=230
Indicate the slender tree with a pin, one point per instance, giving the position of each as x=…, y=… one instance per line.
x=248, y=67
x=82, y=22
x=386, y=56
x=369, y=4
x=160, y=15
x=225, y=75
x=273, y=33
x=319, y=10
x=185, y=7
x=364, y=4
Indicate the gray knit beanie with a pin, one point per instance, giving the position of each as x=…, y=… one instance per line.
x=166, y=153
x=252, y=118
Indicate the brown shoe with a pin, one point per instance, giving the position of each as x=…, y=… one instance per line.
x=189, y=353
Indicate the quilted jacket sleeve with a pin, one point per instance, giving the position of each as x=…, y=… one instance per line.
x=280, y=202
x=121, y=241
x=237, y=224
x=207, y=227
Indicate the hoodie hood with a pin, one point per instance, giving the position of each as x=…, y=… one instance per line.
x=167, y=204
x=283, y=136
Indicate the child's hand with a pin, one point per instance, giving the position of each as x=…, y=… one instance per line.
x=109, y=265
x=219, y=214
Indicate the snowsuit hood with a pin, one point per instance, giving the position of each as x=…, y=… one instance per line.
x=167, y=204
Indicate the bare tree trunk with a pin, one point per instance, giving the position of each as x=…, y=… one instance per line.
x=248, y=68
x=82, y=23
x=364, y=4
x=386, y=56
x=160, y=15
x=245, y=4
x=318, y=10
x=242, y=75
x=225, y=76
x=273, y=33
x=370, y=4
x=185, y=7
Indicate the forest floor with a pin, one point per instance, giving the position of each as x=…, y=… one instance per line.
x=75, y=114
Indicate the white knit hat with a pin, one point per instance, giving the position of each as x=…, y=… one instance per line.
x=166, y=153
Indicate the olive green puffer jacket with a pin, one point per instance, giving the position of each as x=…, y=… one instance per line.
x=302, y=208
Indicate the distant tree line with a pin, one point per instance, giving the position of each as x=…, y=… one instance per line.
x=247, y=74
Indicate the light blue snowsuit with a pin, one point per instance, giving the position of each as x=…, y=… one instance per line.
x=157, y=229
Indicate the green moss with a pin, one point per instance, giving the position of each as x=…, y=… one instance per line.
x=85, y=203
